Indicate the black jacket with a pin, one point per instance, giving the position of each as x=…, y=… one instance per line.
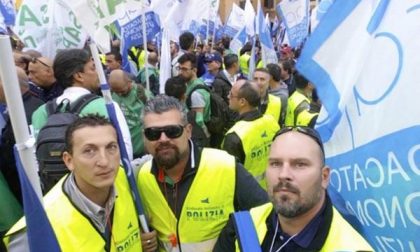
x=222, y=86
x=7, y=159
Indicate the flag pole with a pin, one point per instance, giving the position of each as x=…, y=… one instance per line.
x=146, y=70
x=106, y=92
x=24, y=140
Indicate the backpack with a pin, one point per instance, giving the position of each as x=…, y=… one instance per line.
x=50, y=142
x=219, y=111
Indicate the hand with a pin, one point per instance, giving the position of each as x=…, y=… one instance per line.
x=149, y=241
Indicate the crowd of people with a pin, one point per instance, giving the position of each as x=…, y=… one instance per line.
x=214, y=144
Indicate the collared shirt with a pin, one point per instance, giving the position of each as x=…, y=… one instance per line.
x=231, y=78
x=97, y=214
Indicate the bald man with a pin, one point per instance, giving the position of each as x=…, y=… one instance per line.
x=250, y=138
x=131, y=97
x=152, y=60
x=7, y=160
x=41, y=74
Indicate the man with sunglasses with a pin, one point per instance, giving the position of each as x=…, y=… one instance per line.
x=41, y=74
x=189, y=192
x=300, y=216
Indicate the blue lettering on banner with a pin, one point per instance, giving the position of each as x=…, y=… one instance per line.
x=133, y=30
x=388, y=165
x=230, y=31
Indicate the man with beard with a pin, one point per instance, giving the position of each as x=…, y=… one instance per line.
x=300, y=216
x=189, y=192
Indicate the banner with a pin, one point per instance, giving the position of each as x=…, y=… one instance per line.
x=295, y=15
x=364, y=62
x=47, y=26
x=132, y=34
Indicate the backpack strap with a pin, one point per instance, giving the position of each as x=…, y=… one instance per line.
x=52, y=107
x=245, y=231
x=199, y=86
x=80, y=103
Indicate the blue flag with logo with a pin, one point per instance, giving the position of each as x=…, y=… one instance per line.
x=365, y=64
x=8, y=12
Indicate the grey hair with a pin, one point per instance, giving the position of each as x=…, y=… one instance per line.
x=163, y=103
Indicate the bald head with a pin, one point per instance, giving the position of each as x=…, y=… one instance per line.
x=41, y=72
x=152, y=58
x=119, y=82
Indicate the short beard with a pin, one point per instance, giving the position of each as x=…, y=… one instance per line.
x=168, y=162
x=291, y=208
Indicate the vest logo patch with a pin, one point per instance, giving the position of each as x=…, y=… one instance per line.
x=130, y=225
x=211, y=213
x=264, y=134
x=206, y=200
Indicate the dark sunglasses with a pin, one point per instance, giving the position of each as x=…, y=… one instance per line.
x=308, y=131
x=171, y=131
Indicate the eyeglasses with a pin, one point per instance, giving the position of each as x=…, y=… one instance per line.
x=34, y=60
x=183, y=69
x=308, y=131
x=171, y=131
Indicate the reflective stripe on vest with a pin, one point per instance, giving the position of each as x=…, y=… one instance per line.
x=75, y=232
x=256, y=137
x=273, y=107
x=343, y=238
x=292, y=103
x=206, y=208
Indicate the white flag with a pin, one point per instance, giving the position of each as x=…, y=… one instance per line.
x=95, y=16
x=47, y=26
x=249, y=18
x=235, y=21
x=364, y=59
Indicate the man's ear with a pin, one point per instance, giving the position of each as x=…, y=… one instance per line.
x=325, y=173
x=68, y=160
x=78, y=77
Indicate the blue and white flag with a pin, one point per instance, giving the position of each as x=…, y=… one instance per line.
x=268, y=54
x=235, y=21
x=41, y=236
x=364, y=59
x=238, y=41
x=7, y=12
x=7, y=15
x=295, y=15
x=318, y=12
x=132, y=34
